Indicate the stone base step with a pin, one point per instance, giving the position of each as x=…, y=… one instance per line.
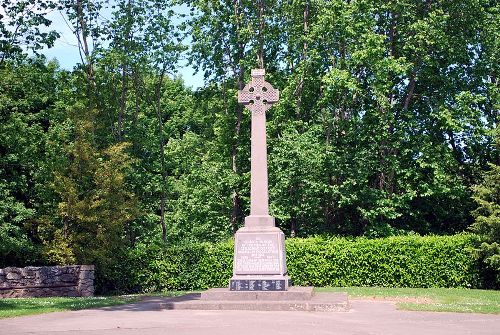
x=319, y=302
x=293, y=293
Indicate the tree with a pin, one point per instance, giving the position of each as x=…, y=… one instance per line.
x=28, y=91
x=487, y=217
x=93, y=203
x=22, y=27
x=399, y=155
x=228, y=38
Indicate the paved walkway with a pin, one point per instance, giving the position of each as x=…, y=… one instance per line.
x=365, y=317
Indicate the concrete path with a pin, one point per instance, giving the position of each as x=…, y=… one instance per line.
x=365, y=317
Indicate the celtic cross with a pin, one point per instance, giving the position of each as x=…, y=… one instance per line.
x=258, y=96
x=259, y=247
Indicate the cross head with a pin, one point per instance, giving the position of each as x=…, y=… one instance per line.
x=258, y=95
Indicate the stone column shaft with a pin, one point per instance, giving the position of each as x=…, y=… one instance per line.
x=259, y=203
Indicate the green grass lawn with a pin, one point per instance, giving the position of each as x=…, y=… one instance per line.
x=429, y=299
x=29, y=306
x=415, y=299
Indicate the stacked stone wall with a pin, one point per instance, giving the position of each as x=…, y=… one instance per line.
x=47, y=281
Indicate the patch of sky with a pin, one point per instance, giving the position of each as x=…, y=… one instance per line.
x=66, y=51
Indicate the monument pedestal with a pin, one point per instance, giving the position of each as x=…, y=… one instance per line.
x=295, y=299
x=259, y=257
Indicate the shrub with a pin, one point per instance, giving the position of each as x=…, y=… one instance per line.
x=487, y=222
x=403, y=261
x=183, y=267
x=15, y=247
x=406, y=261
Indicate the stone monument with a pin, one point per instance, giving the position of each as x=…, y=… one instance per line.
x=260, y=281
x=259, y=248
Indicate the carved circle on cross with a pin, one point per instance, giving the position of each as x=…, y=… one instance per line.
x=258, y=95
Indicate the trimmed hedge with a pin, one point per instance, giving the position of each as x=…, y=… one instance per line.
x=403, y=261
x=185, y=267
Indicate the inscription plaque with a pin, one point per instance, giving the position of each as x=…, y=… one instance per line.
x=257, y=285
x=257, y=254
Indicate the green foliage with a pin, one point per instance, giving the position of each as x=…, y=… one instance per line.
x=94, y=205
x=22, y=27
x=27, y=95
x=93, y=210
x=487, y=219
x=15, y=247
x=296, y=167
x=410, y=261
x=182, y=267
x=366, y=74
x=384, y=123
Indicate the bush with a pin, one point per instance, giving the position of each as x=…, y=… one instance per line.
x=15, y=247
x=487, y=222
x=184, y=267
x=403, y=261
x=406, y=261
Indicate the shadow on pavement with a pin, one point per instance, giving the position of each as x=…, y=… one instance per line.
x=147, y=304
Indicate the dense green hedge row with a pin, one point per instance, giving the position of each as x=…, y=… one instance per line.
x=406, y=261
x=433, y=261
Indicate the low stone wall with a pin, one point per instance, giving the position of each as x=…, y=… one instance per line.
x=47, y=281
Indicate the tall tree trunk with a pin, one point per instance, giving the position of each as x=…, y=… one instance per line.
x=411, y=89
x=125, y=72
x=236, y=206
x=137, y=100
x=234, y=153
x=162, y=156
x=82, y=34
x=260, y=52
x=123, y=103
x=386, y=177
x=305, y=47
